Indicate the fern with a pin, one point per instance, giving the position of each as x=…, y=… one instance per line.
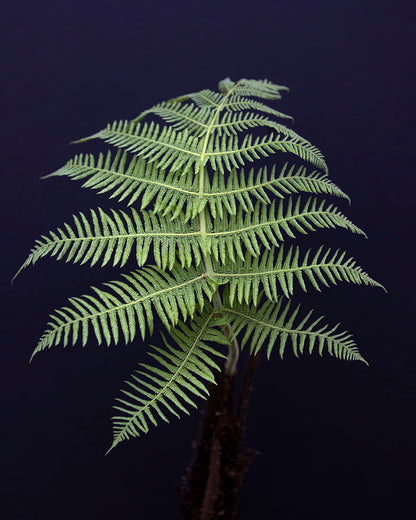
x=129, y=301
x=215, y=230
x=276, y=273
x=183, y=370
x=274, y=323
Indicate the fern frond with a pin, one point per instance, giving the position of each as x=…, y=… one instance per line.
x=182, y=116
x=215, y=232
x=262, y=88
x=266, y=226
x=227, y=151
x=174, y=192
x=133, y=300
x=229, y=193
x=208, y=99
x=172, y=149
x=170, y=191
x=273, y=323
x=171, y=387
x=196, y=120
x=115, y=237
x=182, y=151
x=277, y=275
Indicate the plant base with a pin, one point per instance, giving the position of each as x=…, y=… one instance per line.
x=211, y=484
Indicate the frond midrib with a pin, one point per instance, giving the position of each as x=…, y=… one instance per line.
x=294, y=269
x=277, y=180
x=142, y=179
x=149, y=140
x=202, y=215
x=118, y=237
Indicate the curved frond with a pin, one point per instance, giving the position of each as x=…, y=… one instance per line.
x=116, y=312
x=277, y=274
x=275, y=323
x=115, y=237
x=266, y=226
x=183, y=371
x=235, y=190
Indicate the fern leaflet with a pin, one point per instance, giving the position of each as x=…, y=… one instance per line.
x=183, y=374
x=274, y=322
x=276, y=274
x=129, y=302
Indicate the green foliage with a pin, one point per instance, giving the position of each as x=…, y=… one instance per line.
x=215, y=230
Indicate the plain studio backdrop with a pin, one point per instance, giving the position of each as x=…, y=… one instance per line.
x=336, y=437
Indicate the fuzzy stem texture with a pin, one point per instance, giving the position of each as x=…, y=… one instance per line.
x=211, y=484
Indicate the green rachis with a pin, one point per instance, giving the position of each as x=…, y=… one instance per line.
x=205, y=223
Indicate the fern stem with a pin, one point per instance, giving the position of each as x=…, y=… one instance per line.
x=212, y=482
x=233, y=349
x=233, y=353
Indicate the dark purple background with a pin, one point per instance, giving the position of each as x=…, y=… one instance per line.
x=337, y=438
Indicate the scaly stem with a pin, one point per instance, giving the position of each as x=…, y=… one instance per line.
x=211, y=484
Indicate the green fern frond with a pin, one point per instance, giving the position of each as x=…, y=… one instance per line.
x=182, y=116
x=171, y=387
x=264, y=226
x=274, y=323
x=170, y=191
x=215, y=232
x=234, y=191
x=114, y=237
x=175, y=192
x=172, y=149
x=208, y=99
x=276, y=275
x=181, y=151
x=196, y=120
x=262, y=88
x=131, y=301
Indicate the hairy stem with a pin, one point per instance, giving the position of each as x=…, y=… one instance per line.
x=211, y=484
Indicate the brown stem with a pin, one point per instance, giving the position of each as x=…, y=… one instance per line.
x=212, y=482
x=247, y=387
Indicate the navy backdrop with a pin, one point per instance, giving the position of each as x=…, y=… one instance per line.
x=337, y=438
